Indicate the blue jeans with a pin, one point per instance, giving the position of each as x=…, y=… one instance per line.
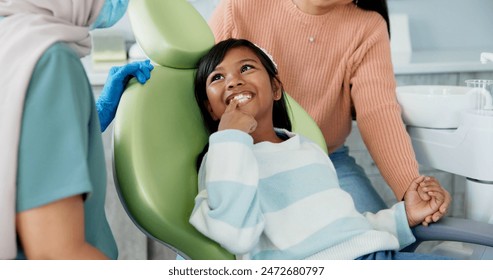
x=353, y=179
x=393, y=255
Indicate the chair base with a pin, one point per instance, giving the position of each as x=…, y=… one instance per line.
x=458, y=250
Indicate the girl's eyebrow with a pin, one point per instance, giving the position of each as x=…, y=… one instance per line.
x=248, y=60
x=239, y=62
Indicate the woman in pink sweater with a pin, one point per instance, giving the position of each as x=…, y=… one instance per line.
x=334, y=59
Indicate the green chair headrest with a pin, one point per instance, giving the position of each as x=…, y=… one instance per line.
x=178, y=39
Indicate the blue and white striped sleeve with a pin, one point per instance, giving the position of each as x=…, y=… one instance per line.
x=227, y=209
x=393, y=221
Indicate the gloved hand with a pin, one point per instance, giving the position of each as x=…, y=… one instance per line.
x=116, y=82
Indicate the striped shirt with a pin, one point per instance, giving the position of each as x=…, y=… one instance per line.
x=283, y=201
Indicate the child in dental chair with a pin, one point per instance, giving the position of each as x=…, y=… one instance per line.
x=268, y=193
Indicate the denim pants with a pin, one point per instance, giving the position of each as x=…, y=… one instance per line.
x=353, y=179
x=393, y=255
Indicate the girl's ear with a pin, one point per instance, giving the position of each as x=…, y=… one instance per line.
x=276, y=89
x=278, y=95
x=211, y=112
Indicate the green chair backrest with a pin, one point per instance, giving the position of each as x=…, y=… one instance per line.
x=159, y=132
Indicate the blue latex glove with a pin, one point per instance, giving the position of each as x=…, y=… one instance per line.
x=118, y=78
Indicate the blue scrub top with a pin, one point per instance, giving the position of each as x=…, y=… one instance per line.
x=61, y=151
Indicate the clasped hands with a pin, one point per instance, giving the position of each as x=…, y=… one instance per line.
x=425, y=201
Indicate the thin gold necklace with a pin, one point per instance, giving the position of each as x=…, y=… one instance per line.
x=312, y=37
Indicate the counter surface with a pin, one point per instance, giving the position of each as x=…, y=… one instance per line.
x=420, y=62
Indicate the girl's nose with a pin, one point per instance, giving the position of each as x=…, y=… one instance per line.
x=234, y=81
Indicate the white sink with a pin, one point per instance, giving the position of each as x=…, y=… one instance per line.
x=438, y=106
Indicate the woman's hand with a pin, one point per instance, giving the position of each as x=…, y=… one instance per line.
x=118, y=78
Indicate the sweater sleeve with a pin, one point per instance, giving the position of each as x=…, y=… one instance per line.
x=379, y=114
x=227, y=208
x=393, y=221
x=221, y=21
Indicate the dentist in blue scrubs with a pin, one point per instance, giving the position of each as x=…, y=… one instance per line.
x=52, y=168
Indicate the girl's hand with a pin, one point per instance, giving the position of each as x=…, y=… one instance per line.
x=233, y=118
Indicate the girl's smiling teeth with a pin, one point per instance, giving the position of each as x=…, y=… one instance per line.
x=241, y=98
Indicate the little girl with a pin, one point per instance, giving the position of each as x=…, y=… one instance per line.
x=268, y=193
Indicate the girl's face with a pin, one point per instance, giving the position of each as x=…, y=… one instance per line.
x=241, y=76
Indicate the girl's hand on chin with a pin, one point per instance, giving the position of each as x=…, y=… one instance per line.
x=236, y=119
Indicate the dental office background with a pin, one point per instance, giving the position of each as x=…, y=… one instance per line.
x=434, y=42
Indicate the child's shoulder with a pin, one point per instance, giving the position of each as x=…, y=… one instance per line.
x=286, y=134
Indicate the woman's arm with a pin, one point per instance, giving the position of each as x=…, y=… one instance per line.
x=56, y=231
x=374, y=97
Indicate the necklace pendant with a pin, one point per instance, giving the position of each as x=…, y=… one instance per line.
x=311, y=39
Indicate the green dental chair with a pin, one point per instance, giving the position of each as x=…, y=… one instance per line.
x=159, y=131
x=158, y=134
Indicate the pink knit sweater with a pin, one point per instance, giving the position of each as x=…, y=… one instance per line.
x=329, y=64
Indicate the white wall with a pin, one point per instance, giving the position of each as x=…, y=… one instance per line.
x=448, y=24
